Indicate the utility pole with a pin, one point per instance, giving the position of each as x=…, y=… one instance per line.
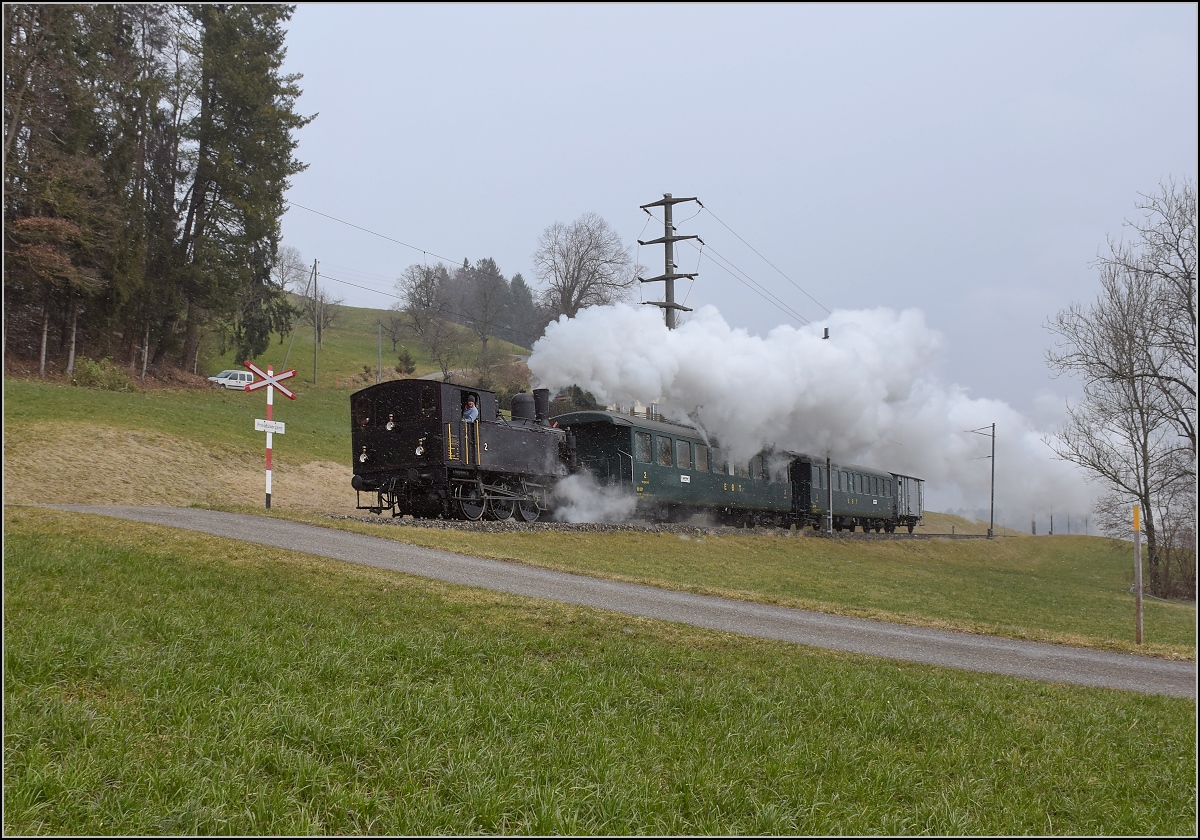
x=668, y=239
x=316, y=320
x=829, y=491
x=992, y=434
x=379, y=371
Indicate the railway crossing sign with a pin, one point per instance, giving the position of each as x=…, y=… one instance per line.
x=270, y=380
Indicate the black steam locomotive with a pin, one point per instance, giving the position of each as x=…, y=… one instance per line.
x=414, y=452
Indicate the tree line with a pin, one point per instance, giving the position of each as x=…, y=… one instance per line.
x=147, y=149
x=1134, y=348
x=580, y=264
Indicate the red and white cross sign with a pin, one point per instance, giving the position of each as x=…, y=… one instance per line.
x=270, y=380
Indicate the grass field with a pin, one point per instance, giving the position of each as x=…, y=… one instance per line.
x=162, y=682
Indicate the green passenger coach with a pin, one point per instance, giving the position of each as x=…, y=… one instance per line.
x=675, y=471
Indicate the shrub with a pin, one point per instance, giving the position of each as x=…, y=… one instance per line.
x=102, y=375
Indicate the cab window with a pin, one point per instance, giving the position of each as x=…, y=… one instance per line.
x=428, y=405
x=362, y=411
x=641, y=447
x=664, y=452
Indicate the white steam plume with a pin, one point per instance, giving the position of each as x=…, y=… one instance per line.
x=866, y=395
x=578, y=498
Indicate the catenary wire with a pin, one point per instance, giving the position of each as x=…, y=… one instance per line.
x=764, y=259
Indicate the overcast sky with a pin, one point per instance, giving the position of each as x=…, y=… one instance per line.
x=968, y=161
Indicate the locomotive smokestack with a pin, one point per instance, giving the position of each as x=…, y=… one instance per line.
x=541, y=402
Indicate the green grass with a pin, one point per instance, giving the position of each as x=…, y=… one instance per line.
x=318, y=421
x=164, y=682
x=1067, y=589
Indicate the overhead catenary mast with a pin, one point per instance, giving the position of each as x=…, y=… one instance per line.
x=669, y=276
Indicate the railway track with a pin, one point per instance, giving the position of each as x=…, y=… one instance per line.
x=684, y=528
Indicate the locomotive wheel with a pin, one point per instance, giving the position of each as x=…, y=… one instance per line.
x=502, y=508
x=471, y=503
x=527, y=510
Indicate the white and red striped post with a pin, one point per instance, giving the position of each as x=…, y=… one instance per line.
x=270, y=405
x=270, y=381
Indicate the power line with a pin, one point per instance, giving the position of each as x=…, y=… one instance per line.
x=764, y=259
x=423, y=251
x=753, y=284
x=748, y=281
x=732, y=270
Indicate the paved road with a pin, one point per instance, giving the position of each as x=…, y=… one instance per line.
x=989, y=654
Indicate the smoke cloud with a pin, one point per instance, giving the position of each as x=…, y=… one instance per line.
x=867, y=395
x=578, y=498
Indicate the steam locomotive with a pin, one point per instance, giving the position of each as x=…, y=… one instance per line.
x=413, y=454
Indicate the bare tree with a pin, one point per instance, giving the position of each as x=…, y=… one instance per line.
x=446, y=343
x=583, y=264
x=395, y=326
x=321, y=309
x=289, y=271
x=1165, y=254
x=422, y=291
x=1134, y=430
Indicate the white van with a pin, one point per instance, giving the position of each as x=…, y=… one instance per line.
x=234, y=380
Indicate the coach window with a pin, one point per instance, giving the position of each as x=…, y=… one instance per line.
x=683, y=454
x=641, y=447
x=701, y=457
x=664, y=452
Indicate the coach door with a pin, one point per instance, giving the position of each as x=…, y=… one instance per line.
x=800, y=474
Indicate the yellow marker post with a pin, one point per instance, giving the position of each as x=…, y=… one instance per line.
x=1137, y=567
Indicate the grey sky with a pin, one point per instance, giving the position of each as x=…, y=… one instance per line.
x=965, y=160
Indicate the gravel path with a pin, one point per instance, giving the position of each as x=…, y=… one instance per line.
x=989, y=654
